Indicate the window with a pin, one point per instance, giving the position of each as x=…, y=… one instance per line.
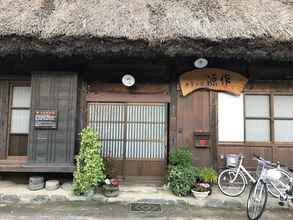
x=257, y=118
x=283, y=118
x=269, y=118
x=230, y=118
x=263, y=118
x=20, y=103
x=20, y=110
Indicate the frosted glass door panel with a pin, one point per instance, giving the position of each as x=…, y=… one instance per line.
x=107, y=120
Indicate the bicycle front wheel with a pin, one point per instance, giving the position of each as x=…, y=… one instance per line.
x=277, y=182
x=230, y=183
x=257, y=200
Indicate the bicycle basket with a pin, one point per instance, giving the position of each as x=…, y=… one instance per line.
x=261, y=166
x=232, y=160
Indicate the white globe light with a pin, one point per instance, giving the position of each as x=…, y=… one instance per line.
x=128, y=80
x=200, y=63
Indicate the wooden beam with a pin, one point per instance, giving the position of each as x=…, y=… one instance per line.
x=10, y=166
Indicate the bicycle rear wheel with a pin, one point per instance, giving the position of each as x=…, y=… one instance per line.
x=257, y=200
x=277, y=180
x=230, y=184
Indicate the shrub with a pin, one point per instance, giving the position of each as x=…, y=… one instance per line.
x=181, y=179
x=180, y=157
x=207, y=175
x=89, y=163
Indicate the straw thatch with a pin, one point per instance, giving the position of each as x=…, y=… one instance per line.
x=217, y=28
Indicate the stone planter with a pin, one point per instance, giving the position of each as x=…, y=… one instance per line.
x=110, y=191
x=200, y=195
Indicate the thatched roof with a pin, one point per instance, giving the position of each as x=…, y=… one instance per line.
x=217, y=28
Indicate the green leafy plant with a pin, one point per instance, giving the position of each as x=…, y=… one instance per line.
x=181, y=179
x=89, y=163
x=180, y=157
x=207, y=175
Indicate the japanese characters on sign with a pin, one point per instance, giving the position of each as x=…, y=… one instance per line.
x=45, y=119
x=212, y=79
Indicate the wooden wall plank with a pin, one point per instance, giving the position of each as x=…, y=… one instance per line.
x=18, y=144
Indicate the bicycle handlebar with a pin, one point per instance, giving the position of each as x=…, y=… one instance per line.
x=266, y=161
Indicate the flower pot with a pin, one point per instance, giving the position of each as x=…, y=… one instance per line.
x=110, y=191
x=200, y=195
x=90, y=193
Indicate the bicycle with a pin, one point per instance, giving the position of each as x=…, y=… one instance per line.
x=233, y=182
x=258, y=195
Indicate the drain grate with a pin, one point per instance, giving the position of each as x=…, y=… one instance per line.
x=145, y=207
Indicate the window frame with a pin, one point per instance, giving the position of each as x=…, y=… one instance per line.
x=271, y=117
x=11, y=108
x=13, y=84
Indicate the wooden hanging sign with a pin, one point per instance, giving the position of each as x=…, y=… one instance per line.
x=212, y=79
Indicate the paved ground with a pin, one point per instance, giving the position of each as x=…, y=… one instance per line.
x=11, y=193
x=95, y=210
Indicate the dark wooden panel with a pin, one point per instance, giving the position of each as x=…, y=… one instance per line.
x=269, y=86
x=193, y=113
x=18, y=145
x=247, y=151
x=54, y=90
x=81, y=118
x=4, y=100
x=23, y=166
x=172, y=142
x=284, y=155
x=139, y=168
x=111, y=92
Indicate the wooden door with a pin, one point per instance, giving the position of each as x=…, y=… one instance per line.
x=193, y=113
x=54, y=92
x=133, y=135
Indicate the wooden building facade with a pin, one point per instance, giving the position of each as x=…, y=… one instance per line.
x=62, y=62
x=42, y=113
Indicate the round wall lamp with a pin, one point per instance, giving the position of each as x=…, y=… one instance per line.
x=128, y=80
x=200, y=63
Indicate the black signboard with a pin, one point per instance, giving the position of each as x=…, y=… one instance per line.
x=46, y=119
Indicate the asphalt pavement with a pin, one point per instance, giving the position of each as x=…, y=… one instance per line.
x=95, y=210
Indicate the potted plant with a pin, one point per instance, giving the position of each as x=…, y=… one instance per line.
x=181, y=173
x=202, y=186
x=201, y=190
x=110, y=188
x=89, y=170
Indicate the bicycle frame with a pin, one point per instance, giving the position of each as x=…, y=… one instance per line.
x=242, y=169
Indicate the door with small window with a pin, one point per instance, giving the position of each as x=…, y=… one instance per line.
x=19, y=119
